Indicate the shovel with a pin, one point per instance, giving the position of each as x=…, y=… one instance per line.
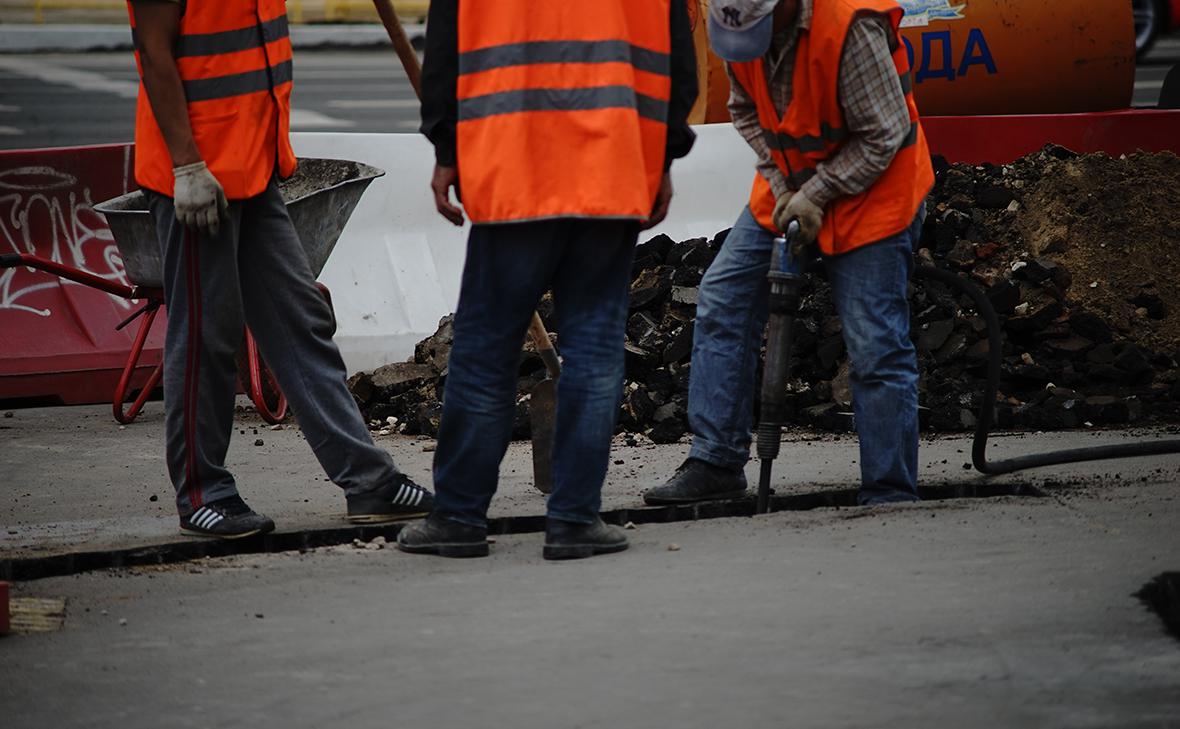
x=543, y=408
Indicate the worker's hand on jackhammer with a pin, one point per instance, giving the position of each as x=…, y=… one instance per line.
x=441, y=182
x=659, y=210
x=796, y=205
x=199, y=200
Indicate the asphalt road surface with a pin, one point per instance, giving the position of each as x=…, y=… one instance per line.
x=1001, y=613
x=73, y=99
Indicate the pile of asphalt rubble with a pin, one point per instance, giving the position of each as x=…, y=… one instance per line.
x=1078, y=254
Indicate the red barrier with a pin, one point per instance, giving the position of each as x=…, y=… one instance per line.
x=58, y=339
x=1001, y=139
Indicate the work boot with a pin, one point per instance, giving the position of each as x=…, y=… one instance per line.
x=573, y=540
x=697, y=480
x=445, y=538
x=227, y=518
x=399, y=499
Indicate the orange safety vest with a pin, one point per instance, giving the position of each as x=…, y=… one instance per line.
x=563, y=108
x=234, y=58
x=813, y=131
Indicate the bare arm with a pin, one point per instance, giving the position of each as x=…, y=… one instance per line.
x=157, y=25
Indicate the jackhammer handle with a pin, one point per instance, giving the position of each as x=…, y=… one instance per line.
x=544, y=346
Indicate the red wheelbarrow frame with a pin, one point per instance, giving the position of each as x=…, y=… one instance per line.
x=256, y=378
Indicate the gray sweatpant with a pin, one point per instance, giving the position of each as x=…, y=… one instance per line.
x=254, y=272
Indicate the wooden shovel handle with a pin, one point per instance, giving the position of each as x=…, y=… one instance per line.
x=401, y=43
x=544, y=346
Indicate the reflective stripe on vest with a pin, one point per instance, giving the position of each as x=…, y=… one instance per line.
x=234, y=59
x=812, y=131
x=562, y=108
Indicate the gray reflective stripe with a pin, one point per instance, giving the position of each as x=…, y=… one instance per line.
x=524, y=54
x=912, y=138
x=782, y=141
x=232, y=41
x=579, y=99
x=907, y=82
x=220, y=87
x=797, y=179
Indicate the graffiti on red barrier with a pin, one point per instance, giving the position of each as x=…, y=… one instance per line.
x=47, y=211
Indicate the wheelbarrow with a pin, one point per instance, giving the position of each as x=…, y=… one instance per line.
x=320, y=198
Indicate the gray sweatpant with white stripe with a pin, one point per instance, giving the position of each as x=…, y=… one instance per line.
x=254, y=272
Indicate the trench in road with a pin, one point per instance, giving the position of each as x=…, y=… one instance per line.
x=33, y=568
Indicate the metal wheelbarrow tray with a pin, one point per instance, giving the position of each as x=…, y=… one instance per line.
x=320, y=198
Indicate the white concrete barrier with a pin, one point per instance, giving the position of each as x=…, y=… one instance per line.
x=396, y=270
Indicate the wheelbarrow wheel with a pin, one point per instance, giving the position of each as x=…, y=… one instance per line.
x=259, y=382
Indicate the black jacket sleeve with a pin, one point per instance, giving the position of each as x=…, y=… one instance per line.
x=440, y=80
x=440, y=74
x=684, y=85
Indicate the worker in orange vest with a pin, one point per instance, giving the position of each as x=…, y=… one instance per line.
x=821, y=90
x=557, y=122
x=210, y=143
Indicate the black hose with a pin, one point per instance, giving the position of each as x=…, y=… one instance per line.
x=987, y=408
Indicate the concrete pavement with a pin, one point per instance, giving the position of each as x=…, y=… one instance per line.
x=1009, y=613
x=75, y=481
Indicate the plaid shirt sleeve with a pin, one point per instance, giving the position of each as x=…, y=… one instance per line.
x=744, y=113
x=875, y=113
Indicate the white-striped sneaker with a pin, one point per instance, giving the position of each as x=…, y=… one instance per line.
x=227, y=518
x=398, y=499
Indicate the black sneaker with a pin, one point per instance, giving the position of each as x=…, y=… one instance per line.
x=445, y=538
x=227, y=518
x=571, y=540
x=399, y=499
x=697, y=480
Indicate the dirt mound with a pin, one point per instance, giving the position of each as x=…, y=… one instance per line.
x=1115, y=224
x=1078, y=255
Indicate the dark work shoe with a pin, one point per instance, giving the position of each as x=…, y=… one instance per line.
x=697, y=480
x=227, y=518
x=445, y=538
x=399, y=499
x=571, y=540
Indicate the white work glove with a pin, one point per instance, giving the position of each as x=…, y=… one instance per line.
x=796, y=205
x=198, y=198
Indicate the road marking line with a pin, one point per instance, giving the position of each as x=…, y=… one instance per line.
x=374, y=104
x=8, y=108
x=81, y=80
x=11, y=131
x=308, y=119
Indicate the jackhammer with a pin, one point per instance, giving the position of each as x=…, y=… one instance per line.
x=786, y=287
x=788, y=264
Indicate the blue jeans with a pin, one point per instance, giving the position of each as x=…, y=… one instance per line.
x=869, y=288
x=508, y=268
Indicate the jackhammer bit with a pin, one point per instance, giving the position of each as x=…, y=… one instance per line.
x=786, y=286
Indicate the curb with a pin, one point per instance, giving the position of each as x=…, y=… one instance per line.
x=36, y=568
x=24, y=38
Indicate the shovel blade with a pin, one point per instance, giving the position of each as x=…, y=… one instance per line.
x=543, y=417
